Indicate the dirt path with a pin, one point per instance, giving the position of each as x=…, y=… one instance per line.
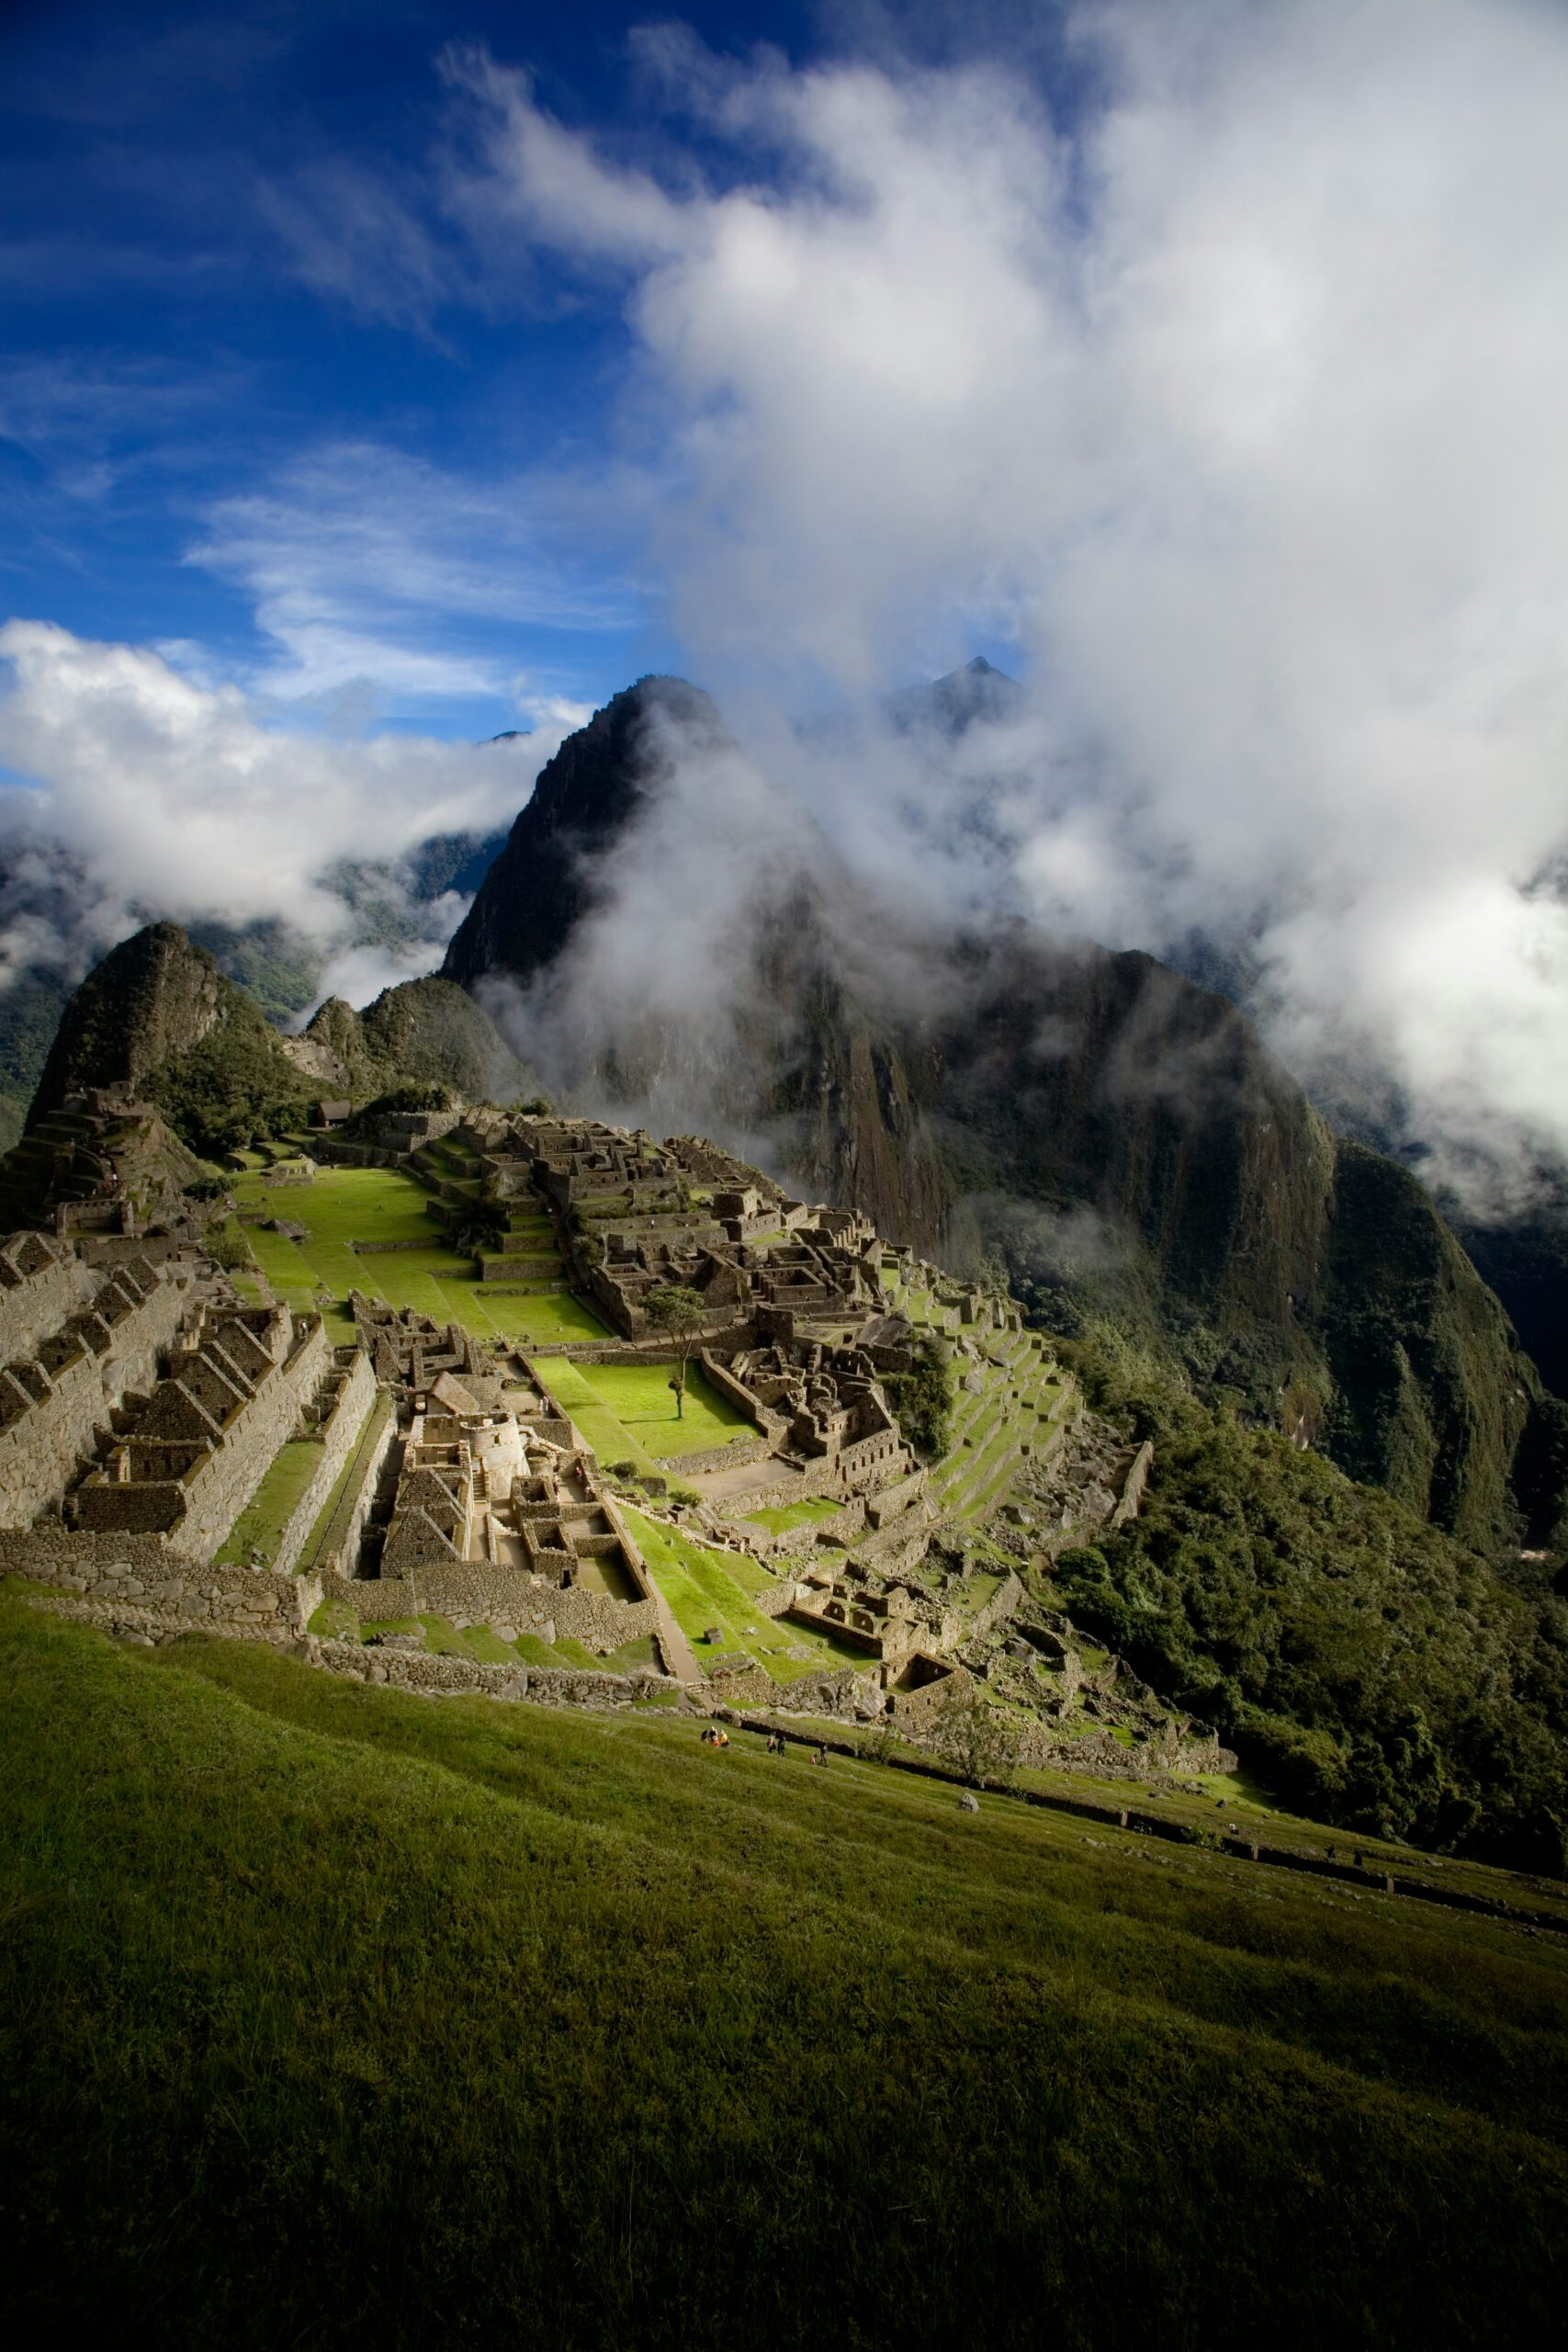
x=679, y=1654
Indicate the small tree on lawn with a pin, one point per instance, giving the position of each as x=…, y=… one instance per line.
x=676, y=1309
x=975, y=1736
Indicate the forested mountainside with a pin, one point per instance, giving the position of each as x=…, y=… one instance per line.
x=45, y=897
x=157, y=1017
x=1119, y=1135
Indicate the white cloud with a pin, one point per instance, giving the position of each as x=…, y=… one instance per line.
x=1240, y=406
x=172, y=799
x=370, y=569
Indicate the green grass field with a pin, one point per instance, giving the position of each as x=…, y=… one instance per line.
x=779, y=1522
x=265, y=1517
x=706, y=1587
x=639, y=1397
x=345, y=1205
x=335, y=2017
x=626, y=1413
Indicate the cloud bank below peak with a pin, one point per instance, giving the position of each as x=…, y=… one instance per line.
x=1236, y=403
x=144, y=792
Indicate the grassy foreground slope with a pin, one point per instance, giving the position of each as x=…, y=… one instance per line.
x=332, y=2016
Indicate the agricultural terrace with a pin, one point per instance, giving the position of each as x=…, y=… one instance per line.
x=790, y=1515
x=341, y=1206
x=708, y=1590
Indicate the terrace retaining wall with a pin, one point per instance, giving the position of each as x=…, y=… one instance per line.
x=339, y=1435
x=481, y=1595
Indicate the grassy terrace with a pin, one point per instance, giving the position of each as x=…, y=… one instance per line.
x=626, y=1412
x=639, y=1397
x=779, y=1522
x=335, y=2017
x=704, y=1587
x=345, y=1205
x=261, y=1524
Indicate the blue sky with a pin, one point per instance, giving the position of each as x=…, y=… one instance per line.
x=264, y=404
x=376, y=378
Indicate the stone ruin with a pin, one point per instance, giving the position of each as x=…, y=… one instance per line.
x=77, y=1343
x=824, y=1405
x=186, y=1460
x=468, y=1493
x=498, y=1514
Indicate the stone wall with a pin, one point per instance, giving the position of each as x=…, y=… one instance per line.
x=919, y=1712
x=204, y=1492
x=838, y=1692
x=744, y=1686
x=891, y=1502
x=717, y=1457
x=852, y=1474
x=218, y=1487
x=998, y=1609
x=341, y=1539
x=738, y=1393
x=1133, y=1486
x=843, y=1527
x=41, y=1284
x=142, y=1582
x=51, y=1552
x=54, y=1410
x=340, y=1434
x=456, y=1677
x=479, y=1594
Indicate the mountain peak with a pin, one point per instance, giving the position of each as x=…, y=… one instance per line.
x=154, y=995
x=956, y=701
x=537, y=887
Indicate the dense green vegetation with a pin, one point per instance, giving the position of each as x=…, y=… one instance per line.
x=333, y=2017
x=236, y=1083
x=1381, y=1674
x=923, y=1399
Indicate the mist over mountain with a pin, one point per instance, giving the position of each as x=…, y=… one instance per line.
x=668, y=938
x=952, y=616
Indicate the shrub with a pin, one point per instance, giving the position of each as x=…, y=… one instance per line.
x=972, y=1734
x=922, y=1398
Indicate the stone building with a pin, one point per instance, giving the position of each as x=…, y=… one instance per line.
x=825, y=1405
x=78, y=1343
x=192, y=1455
x=884, y=1620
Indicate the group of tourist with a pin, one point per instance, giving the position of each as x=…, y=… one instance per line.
x=714, y=1735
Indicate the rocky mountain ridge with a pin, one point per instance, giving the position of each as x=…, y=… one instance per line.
x=158, y=1023
x=1120, y=1137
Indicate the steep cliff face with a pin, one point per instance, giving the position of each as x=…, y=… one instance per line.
x=1121, y=1134
x=1433, y=1396
x=542, y=884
